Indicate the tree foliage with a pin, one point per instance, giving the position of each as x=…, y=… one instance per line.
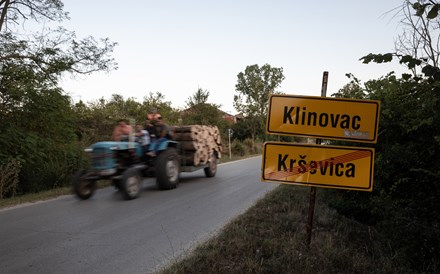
x=157, y=101
x=57, y=51
x=351, y=90
x=50, y=51
x=253, y=88
x=406, y=182
x=406, y=193
x=38, y=126
x=97, y=119
x=199, y=112
x=14, y=12
x=418, y=46
x=199, y=97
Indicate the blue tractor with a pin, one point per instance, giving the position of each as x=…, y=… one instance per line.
x=126, y=164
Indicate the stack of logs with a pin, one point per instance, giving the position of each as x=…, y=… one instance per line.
x=198, y=143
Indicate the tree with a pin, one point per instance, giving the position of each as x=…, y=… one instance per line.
x=36, y=129
x=14, y=11
x=37, y=123
x=97, y=119
x=406, y=184
x=418, y=45
x=157, y=101
x=420, y=29
x=51, y=52
x=120, y=108
x=199, y=97
x=406, y=173
x=351, y=90
x=200, y=112
x=253, y=88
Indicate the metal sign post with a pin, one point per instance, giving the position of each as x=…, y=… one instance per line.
x=230, y=132
x=312, y=196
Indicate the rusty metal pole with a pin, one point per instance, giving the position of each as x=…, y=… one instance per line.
x=312, y=197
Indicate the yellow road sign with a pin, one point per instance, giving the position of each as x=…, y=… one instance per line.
x=319, y=166
x=323, y=117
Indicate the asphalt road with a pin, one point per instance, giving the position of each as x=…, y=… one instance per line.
x=107, y=234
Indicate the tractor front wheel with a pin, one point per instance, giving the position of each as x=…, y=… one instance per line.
x=83, y=187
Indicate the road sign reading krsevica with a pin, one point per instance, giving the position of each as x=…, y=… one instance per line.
x=319, y=166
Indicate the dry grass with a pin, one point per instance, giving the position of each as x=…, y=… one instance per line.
x=271, y=238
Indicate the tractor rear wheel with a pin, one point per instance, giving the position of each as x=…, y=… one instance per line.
x=131, y=183
x=168, y=169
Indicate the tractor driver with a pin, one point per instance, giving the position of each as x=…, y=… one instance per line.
x=162, y=133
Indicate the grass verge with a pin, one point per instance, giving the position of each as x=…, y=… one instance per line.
x=271, y=238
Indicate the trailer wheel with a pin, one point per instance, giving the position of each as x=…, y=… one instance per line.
x=211, y=169
x=131, y=183
x=167, y=169
x=83, y=188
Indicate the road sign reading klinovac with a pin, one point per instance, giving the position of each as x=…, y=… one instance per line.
x=319, y=166
x=322, y=117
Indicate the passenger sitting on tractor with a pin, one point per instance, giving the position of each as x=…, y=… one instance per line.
x=162, y=134
x=150, y=123
x=122, y=131
x=142, y=137
x=149, y=126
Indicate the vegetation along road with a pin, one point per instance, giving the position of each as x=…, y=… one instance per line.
x=107, y=234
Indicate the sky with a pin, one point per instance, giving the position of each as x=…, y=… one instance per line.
x=175, y=47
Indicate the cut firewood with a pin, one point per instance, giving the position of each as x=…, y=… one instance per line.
x=198, y=142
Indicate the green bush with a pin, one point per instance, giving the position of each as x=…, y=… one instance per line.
x=249, y=146
x=52, y=170
x=9, y=173
x=406, y=194
x=238, y=148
